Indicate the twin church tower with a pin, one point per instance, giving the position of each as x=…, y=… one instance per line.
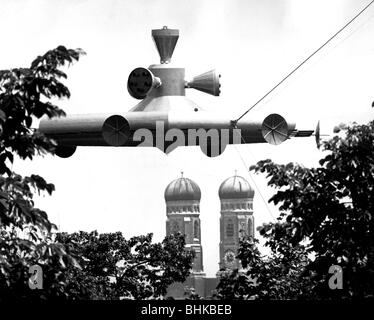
x=182, y=198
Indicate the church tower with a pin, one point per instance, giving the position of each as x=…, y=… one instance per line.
x=182, y=197
x=236, y=221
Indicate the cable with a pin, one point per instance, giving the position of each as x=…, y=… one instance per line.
x=254, y=182
x=234, y=122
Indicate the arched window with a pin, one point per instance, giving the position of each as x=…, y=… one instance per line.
x=229, y=229
x=196, y=229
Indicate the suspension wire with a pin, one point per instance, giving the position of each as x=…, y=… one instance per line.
x=254, y=182
x=234, y=122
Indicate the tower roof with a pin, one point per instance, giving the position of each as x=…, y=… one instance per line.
x=235, y=187
x=182, y=189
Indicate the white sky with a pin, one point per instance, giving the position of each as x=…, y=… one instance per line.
x=252, y=43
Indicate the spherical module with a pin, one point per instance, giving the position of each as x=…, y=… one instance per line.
x=235, y=187
x=182, y=189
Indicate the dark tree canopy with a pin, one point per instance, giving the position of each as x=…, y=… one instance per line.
x=282, y=275
x=25, y=230
x=115, y=268
x=79, y=265
x=327, y=213
x=24, y=96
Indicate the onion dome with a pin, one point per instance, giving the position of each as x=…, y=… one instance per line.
x=182, y=189
x=235, y=187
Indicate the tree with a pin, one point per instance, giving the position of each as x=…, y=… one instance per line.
x=326, y=219
x=79, y=265
x=115, y=268
x=282, y=275
x=331, y=207
x=25, y=230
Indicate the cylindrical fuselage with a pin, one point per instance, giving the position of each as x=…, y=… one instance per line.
x=165, y=117
x=86, y=130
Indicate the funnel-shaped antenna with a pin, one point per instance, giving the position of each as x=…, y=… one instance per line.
x=165, y=40
x=207, y=82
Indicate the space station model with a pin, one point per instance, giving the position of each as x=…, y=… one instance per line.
x=165, y=118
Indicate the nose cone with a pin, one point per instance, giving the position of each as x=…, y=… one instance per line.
x=165, y=40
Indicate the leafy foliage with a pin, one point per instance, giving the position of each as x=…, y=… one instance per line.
x=79, y=265
x=24, y=96
x=279, y=276
x=325, y=213
x=18, y=254
x=26, y=237
x=115, y=268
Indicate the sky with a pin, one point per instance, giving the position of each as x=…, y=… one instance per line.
x=253, y=44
